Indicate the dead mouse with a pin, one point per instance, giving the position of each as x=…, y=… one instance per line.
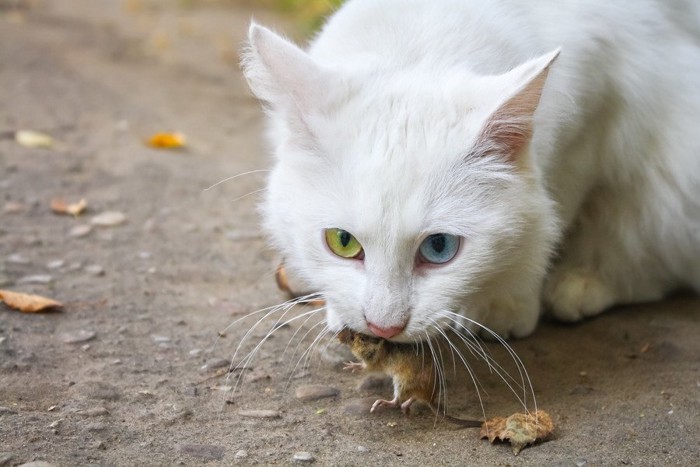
x=414, y=376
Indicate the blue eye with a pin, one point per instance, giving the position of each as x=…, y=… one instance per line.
x=438, y=248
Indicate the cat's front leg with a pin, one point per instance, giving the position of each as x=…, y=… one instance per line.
x=573, y=293
x=512, y=309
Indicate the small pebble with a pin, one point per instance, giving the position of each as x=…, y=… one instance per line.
x=242, y=454
x=581, y=462
x=195, y=352
x=38, y=464
x=216, y=363
x=268, y=414
x=362, y=449
x=96, y=426
x=55, y=264
x=144, y=254
x=17, y=258
x=36, y=279
x=78, y=337
x=108, y=219
x=209, y=452
x=159, y=339
x=315, y=392
x=303, y=457
x=95, y=270
x=81, y=230
x=56, y=423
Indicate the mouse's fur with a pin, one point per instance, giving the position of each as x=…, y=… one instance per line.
x=414, y=377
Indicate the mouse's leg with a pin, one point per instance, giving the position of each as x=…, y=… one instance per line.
x=353, y=366
x=406, y=406
x=385, y=403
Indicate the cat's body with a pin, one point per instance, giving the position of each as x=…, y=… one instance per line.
x=413, y=118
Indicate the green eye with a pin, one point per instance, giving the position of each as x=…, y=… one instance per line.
x=342, y=243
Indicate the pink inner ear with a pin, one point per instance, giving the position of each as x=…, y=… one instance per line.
x=508, y=130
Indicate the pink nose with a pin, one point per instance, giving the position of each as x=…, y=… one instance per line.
x=385, y=333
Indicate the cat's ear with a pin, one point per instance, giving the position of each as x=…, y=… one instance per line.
x=508, y=129
x=279, y=72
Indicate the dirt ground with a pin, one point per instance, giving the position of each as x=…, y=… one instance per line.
x=131, y=372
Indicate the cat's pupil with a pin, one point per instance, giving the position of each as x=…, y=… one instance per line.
x=437, y=242
x=345, y=238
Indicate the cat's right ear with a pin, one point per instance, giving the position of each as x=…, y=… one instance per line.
x=280, y=73
x=508, y=130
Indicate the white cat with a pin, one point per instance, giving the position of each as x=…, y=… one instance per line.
x=480, y=157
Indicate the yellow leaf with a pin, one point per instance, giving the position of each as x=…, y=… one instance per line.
x=33, y=139
x=27, y=303
x=167, y=140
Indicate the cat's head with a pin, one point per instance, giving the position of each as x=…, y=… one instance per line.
x=399, y=195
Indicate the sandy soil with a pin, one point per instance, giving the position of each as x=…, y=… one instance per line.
x=131, y=372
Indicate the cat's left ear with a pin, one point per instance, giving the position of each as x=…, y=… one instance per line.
x=280, y=73
x=508, y=130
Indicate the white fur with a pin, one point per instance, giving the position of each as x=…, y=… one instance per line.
x=380, y=129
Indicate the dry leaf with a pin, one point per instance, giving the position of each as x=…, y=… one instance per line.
x=519, y=429
x=283, y=285
x=27, y=303
x=59, y=206
x=167, y=140
x=33, y=139
x=282, y=280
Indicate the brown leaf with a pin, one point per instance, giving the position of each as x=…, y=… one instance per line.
x=283, y=285
x=519, y=429
x=27, y=303
x=59, y=206
x=166, y=140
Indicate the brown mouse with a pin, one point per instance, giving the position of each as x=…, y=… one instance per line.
x=414, y=377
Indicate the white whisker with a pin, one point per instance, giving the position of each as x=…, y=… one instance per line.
x=228, y=179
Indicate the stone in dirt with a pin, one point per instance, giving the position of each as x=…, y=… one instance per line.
x=78, y=337
x=314, y=392
x=79, y=231
x=108, y=219
x=303, y=457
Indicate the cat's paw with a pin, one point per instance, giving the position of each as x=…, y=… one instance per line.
x=508, y=318
x=574, y=294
